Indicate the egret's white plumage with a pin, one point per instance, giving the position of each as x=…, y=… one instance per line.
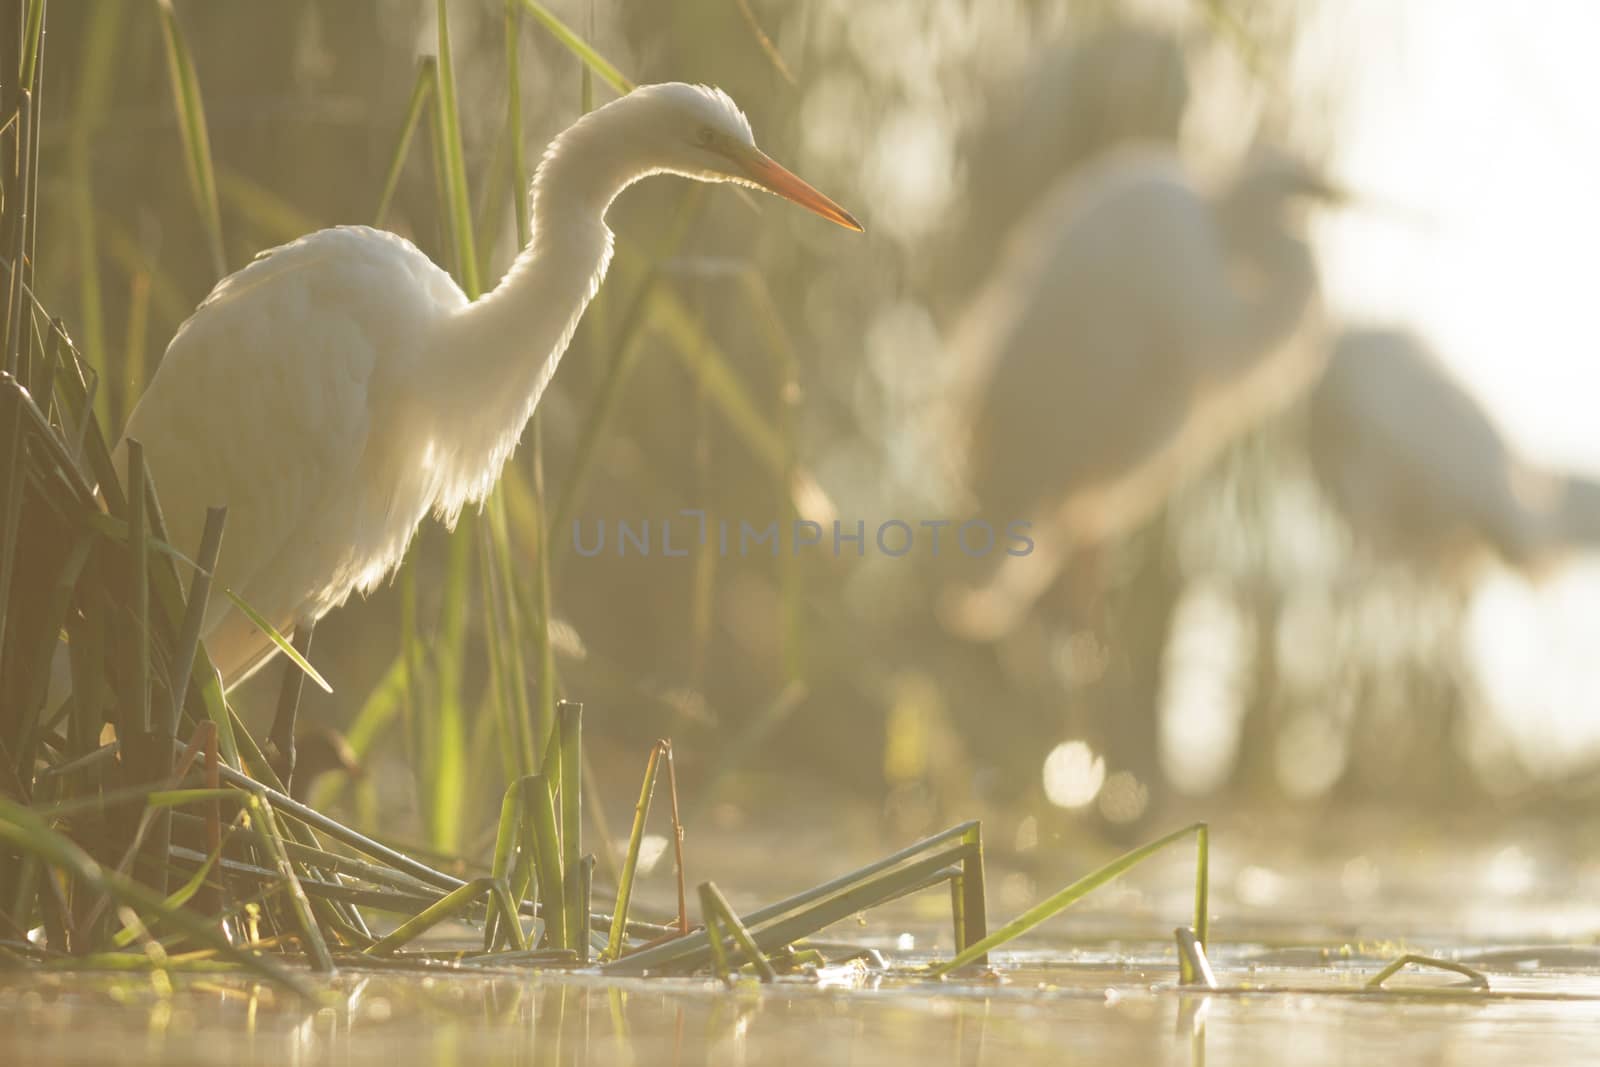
x=342, y=386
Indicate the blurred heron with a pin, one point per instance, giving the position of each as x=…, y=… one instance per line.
x=1135, y=325
x=1123, y=81
x=1420, y=471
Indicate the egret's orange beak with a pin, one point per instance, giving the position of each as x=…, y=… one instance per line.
x=761, y=170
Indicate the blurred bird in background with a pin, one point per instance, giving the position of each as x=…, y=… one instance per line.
x=1128, y=326
x=1123, y=81
x=1135, y=326
x=1418, y=468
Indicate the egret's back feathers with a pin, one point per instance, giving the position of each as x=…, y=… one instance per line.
x=268, y=399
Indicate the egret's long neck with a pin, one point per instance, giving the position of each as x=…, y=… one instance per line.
x=1285, y=284
x=495, y=356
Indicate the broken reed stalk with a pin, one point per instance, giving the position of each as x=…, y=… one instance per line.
x=539, y=821
x=714, y=908
x=677, y=841
x=569, y=720
x=1064, y=899
x=630, y=863
x=805, y=913
x=1477, y=978
x=316, y=948
x=503, y=864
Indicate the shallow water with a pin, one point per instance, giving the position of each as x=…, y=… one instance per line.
x=1296, y=935
x=1286, y=1006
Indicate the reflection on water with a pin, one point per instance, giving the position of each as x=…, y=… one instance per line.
x=1301, y=921
x=1289, y=1006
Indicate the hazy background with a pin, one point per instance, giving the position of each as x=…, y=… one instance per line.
x=1300, y=672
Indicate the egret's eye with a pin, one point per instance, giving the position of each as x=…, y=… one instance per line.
x=704, y=136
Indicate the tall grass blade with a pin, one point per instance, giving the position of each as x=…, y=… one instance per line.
x=137, y=718
x=414, y=674
x=422, y=91
x=381, y=707
x=519, y=154
x=33, y=45
x=194, y=615
x=526, y=727
x=579, y=47
x=284, y=644
x=21, y=192
x=586, y=73
x=693, y=344
x=543, y=717
x=442, y=763
x=569, y=739
x=570, y=717
x=458, y=200
x=266, y=213
x=505, y=681
x=769, y=49
x=96, y=75
x=444, y=757
x=13, y=479
x=192, y=125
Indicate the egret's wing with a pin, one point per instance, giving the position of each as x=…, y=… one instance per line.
x=264, y=402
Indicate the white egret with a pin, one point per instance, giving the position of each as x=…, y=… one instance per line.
x=342, y=386
x=1419, y=469
x=1135, y=325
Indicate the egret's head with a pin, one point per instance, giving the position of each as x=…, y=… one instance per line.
x=699, y=132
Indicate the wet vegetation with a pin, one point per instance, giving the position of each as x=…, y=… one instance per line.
x=172, y=845
x=142, y=831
